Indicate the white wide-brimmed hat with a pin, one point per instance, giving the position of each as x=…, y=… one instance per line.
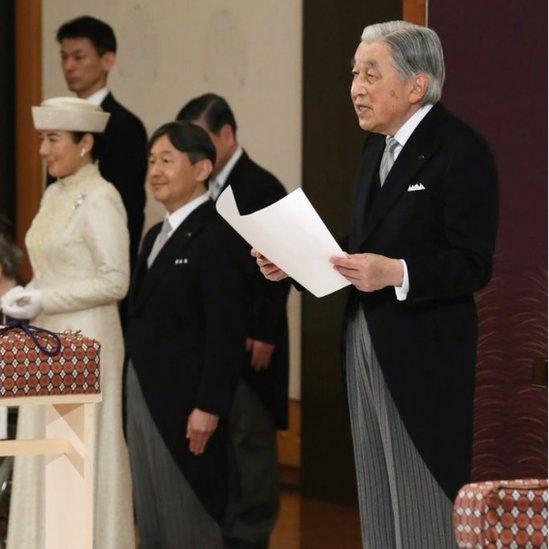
x=70, y=114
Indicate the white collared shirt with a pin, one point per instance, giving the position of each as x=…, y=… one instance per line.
x=177, y=217
x=407, y=129
x=402, y=136
x=98, y=97
x=217, y=182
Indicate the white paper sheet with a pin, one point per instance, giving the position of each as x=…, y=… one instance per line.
x=292, y=235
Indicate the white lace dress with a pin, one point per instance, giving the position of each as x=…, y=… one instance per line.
x=79, y=250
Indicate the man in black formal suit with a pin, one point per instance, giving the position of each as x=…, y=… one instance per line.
x=422, y=238
x=88, y=54
x=185, y=344
x=261, y=401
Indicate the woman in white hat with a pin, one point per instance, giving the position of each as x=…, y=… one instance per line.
x=79, y=250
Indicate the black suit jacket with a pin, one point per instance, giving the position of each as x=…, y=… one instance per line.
x=266, y=320
x=186, y=341
x=124, y=164
x=426, y=345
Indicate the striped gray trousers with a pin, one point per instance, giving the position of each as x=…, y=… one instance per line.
x=401, y=504
x=169, y=515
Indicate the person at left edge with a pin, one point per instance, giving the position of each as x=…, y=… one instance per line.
x=185, y=345
x=78, y=249
x=11, y=260
x=88, y=54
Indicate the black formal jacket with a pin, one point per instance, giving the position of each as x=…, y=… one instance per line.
x=124, y=164
x=186, y=341
x=255, y=188
x=426, y=345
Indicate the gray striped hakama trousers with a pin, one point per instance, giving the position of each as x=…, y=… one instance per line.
x=401, y=504
x=169, y=515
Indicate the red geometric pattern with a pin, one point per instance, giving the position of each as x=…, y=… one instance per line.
x=26, y=371
x=500, y=514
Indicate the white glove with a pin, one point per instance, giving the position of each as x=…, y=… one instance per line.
x=11, y=296
x=24, y=305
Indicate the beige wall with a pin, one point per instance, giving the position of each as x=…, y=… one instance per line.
x=249, y=51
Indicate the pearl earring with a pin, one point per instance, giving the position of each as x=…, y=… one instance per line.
x=83, y=152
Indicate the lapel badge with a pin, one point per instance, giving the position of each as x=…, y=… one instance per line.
x=181, y=261
x=421, y=157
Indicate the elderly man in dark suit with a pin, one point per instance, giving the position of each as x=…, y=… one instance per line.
x=88, y=54
x=185, y=343
x=261, y=401
x=422, y=238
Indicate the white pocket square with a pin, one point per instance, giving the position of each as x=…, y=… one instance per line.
x=416, y=187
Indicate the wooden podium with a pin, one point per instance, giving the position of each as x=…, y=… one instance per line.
x=69, y=463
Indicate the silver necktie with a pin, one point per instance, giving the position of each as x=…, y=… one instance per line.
x=215, y=188
x=388, y=159
x=161, y=239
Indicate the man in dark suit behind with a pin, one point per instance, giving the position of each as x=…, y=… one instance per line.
x=422, y=238
x=261, y=401
x=88, y=54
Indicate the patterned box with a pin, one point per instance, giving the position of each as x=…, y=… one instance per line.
x=496, y=514
x=36, y=362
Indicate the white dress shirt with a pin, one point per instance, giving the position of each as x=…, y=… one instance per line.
x=174, y=220
x=217, y=182
x=98, y=97
x=402, y=135
x=177, y=217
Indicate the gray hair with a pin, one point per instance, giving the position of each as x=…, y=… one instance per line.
x=11, y=258
x=415, y=49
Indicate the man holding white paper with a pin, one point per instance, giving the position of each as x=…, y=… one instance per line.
x=422, y=237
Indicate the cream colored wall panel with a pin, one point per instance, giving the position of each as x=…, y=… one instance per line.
x=248, y=51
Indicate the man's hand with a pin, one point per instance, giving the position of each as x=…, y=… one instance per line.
x=269, y=270
x=370, y=272
x=200, y=427
x=261, y=353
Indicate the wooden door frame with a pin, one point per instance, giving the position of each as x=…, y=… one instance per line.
x=415, y=11
x=28, y=91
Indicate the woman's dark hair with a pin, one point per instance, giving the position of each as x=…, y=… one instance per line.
x=98, y=142
x=6, y=227
x=212, y=108
x=96, y=31
x=187, y=138
x=11, y=258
